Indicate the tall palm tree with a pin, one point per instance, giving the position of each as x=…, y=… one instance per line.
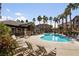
x=26, y=21
x=22, y=21
x=32, y=26
x=18, y=20
x=70, y=7
x=61, y=17
x=34, y=20
x=75, y=7
x=66, y=13
x=45, y=19
x=55, y=20
x=50, y=18
x=39, y=18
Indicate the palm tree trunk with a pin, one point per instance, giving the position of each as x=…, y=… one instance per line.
x=50, y=22
x=39, y=22
x=59, y=26
x=55, y=25
x=66, y=23
x=62, y=22
x=70, y=22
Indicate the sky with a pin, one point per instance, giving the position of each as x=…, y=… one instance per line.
x=29, y=11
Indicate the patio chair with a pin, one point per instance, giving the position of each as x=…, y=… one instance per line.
x=14, y=37
x=30, y=50
x=52, y=53
x=77, y=38
x=41, y=51
x=29, y=45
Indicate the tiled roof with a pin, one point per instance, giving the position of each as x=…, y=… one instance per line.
x=14, y=23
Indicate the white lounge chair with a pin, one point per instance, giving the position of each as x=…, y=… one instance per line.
x=77, y=38
x=14, y=37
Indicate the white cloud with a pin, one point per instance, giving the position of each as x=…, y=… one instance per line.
x=8, y=10
x=21, y=18
x=9, y=18
x=18, y=14
x=6, y=18
x=3, y=18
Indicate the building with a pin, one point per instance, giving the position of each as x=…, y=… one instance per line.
x=76, y=23
x=43, y=28
x=18, y=28
x=65, y=26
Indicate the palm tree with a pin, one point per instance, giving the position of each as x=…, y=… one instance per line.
x=22, y=21
x=18, y=20
x=70, y=7
x=34, y=20
x=75, y=7
x=39, y=18
x=55, y=20
x=45, y=19
x=26, y=21
x=61, y=17
x=31, y=27
x=50, y=18
x=66, y=13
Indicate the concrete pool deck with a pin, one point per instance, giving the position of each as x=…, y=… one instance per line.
x=63, y=48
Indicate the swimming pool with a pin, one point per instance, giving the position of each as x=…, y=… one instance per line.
x=55, y=37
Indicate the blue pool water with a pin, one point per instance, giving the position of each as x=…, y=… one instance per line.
x=55, y=37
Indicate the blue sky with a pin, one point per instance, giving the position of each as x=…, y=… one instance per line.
x=32, y=10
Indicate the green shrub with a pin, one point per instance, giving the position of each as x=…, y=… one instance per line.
x=7, y=44
x=4, y=30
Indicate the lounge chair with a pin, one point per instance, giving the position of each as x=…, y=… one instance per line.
x=29, y=45
x=52, y=53
x=30, y=51
x=77, y=38
x=14, y=37
x=41, y=51
x=24, y=50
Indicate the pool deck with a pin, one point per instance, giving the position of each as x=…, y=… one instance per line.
x=63, y=48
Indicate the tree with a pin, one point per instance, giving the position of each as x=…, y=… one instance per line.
x=55, y=20
x=26, y=21
x=7, y=43
x=61, y=17
x=22, y=21
x=75, y=7
x=4, y=30
x=66, y=13
x=39, y=18
x=70, y=7
x=31, y=26
x=50, y=18
x=34, y=20
x=45, y=19
x=18, y=20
